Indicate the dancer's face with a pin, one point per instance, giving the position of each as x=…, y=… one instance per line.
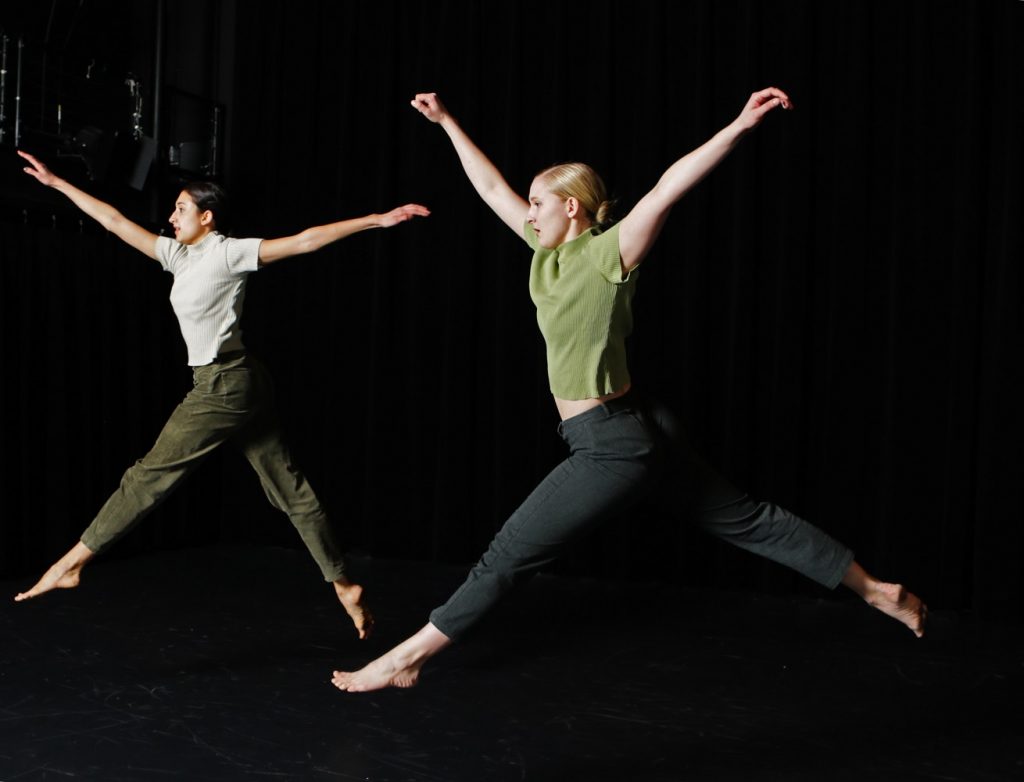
x=549, y=215
x=190, y=225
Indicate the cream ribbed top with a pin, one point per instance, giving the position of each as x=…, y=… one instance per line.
x=209, y=290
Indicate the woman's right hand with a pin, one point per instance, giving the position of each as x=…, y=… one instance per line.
x=430, y=106
x=488, y=182
x=38, y=170
x=100, y=211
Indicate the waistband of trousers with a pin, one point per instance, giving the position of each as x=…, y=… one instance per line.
x=231, y=355
x=217, y=363
x=628, y=401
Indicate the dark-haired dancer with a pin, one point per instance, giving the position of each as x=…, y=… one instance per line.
x=232, y=394
x=582, y=279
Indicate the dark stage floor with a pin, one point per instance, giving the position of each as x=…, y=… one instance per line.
x=213, y=664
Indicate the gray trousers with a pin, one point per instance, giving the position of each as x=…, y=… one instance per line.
x=621, y=452
x=231, y=399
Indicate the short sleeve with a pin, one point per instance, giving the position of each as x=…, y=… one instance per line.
x=169, y=252
x=242, y=255
x=603, y=252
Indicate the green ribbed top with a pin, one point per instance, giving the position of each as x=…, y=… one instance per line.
x=584, y=310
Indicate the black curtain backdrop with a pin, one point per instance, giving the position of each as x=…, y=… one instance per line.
x=834, y=312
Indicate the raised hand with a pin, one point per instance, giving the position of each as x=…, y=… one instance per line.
x=760, y=104
x=430, y=106
x=38, y=170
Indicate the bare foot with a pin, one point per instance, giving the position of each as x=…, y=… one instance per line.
x=398, y=668
x=65, y=573
x=57, y=577
x=891, y=599
x=901, y=604
x=351, y=597
x=382, y=672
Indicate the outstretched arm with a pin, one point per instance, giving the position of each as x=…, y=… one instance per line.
x=100, y=211
x=314, y=238
x=488, y=181
x=639, y=229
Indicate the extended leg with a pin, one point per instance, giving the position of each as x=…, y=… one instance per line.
x=777, y=534
x=607, y=472
x=204, y=419
x=288, y=490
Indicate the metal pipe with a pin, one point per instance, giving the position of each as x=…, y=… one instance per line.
x=17, y=98
x=3, y=87
x=214, y=152
x=158, y=82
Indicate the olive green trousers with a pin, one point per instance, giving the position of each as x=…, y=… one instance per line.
x=232, y=400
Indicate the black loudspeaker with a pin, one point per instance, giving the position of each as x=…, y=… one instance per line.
x=145, y=154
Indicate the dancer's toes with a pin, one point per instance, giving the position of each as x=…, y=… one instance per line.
x=340, y=679
x=378, y=675
x=54, y=578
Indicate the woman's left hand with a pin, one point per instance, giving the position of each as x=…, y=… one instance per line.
x=760, y=104
x=401, y=214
